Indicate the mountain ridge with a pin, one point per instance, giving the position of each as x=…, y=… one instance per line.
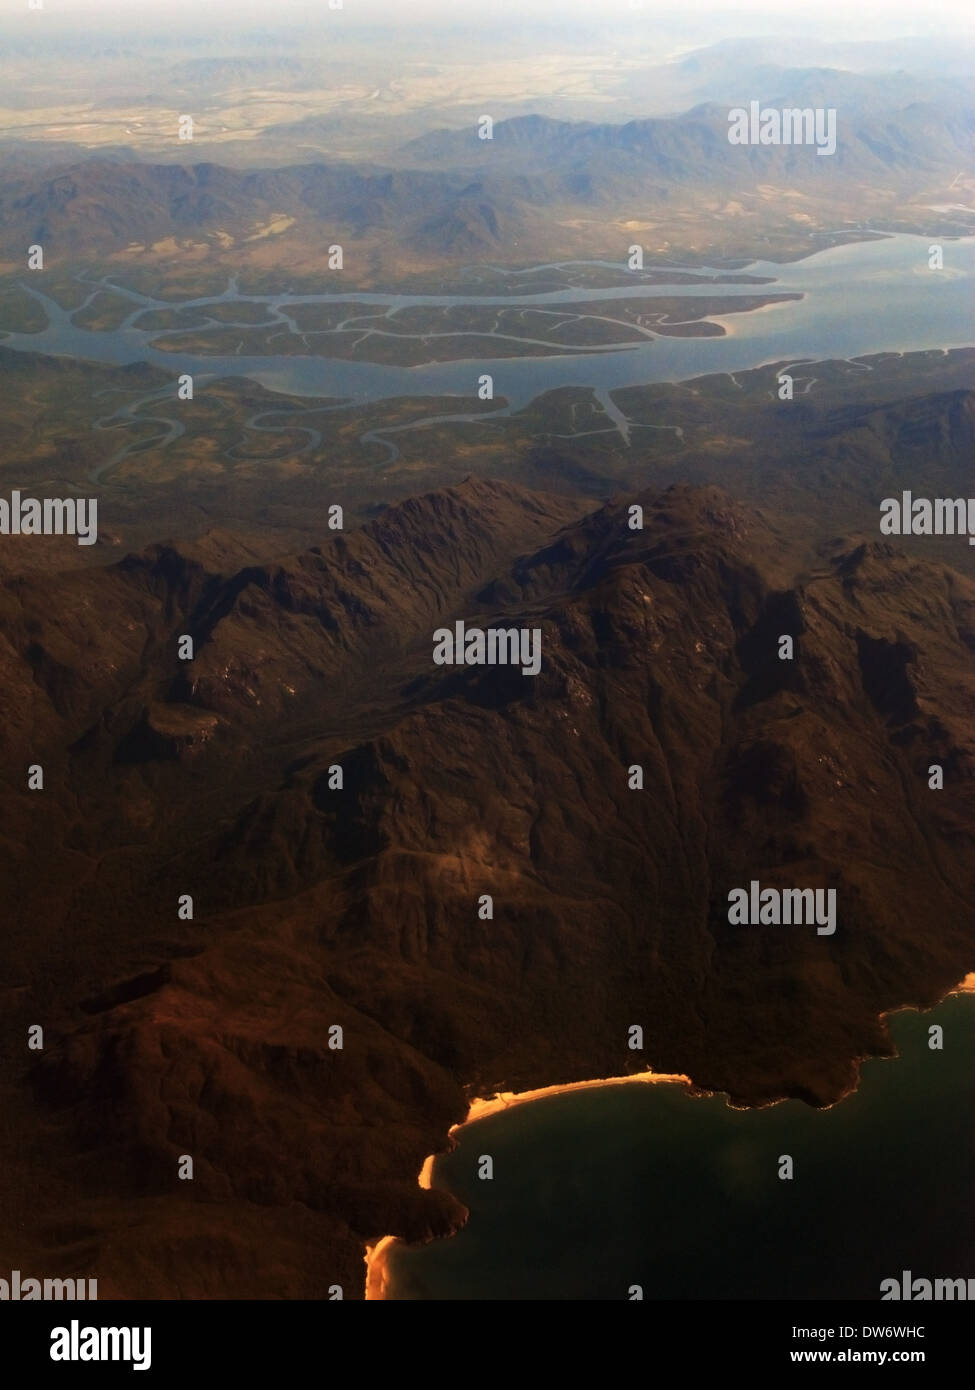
x=357, y=905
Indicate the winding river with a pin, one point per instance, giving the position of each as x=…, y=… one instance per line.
x=856, y=299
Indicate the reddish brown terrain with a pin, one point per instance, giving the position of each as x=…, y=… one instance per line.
x=315, y=906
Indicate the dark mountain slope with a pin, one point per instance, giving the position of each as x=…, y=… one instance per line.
x=317, y=905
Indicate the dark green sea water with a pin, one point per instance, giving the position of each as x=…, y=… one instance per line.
x=594, y=1191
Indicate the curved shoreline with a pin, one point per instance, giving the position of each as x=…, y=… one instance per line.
x=376, y=1256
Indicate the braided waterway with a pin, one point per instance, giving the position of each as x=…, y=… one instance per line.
x=608, y=1186
x=851, y=301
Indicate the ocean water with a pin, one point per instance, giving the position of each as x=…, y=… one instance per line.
x=596, y=1191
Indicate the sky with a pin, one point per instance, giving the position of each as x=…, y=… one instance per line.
x=883, y=18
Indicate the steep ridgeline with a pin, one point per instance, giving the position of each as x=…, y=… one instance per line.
x=485, y=879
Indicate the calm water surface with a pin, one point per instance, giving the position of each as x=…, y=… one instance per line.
x=594, y=1191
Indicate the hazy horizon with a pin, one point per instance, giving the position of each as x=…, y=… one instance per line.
x=880, y=20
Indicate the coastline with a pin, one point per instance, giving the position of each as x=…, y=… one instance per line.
x=376, y=1256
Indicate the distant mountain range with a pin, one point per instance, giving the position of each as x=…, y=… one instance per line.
x=694, y=148
x=455, y=195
